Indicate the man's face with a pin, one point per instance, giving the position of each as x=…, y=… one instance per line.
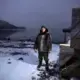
x=43, y=29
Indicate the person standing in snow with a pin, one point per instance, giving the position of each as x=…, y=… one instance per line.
x=43, y=44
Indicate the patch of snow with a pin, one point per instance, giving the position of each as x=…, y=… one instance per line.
x=25, y=69
x=17, y=70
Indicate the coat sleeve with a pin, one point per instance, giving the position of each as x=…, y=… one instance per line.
x=49, y=42
x=36, y=43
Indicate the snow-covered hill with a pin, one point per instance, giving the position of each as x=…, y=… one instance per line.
x=21, y=63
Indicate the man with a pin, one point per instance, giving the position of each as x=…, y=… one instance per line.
x=43, y=44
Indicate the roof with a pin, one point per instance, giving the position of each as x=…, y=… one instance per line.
x=72, y=27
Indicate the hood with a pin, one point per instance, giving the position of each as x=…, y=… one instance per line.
x=41, y=30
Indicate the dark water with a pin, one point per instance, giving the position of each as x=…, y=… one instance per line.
x=31, y=33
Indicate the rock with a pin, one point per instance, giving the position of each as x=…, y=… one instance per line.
x=21, y=58
x=15, y=53
x=9, y=59
x=33, y=78
x=9, y=62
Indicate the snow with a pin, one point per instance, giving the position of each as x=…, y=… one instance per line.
x=22, y=69
x=17, y=70
x=16, y=44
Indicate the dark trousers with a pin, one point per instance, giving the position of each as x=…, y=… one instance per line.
x=41, y=56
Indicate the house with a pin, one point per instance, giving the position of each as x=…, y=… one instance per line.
x=70, y=55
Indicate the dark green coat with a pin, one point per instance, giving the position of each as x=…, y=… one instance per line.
x=47, y=44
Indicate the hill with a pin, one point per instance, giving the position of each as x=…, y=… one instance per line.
x=7, y=29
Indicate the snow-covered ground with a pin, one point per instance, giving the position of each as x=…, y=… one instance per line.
x=21, y=63
x=16, y=44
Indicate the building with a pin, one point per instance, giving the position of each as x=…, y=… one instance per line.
x=70, y=62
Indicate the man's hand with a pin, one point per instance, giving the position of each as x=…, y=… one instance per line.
x=49, y=51
x=35, y=50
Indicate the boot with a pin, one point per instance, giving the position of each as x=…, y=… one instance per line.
x=38, y=66
x=47, y=66
x=40, y=63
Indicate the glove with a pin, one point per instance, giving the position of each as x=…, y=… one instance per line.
x=50, y=51
x=35, y=50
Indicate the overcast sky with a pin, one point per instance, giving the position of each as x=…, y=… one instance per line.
x=34, y=13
